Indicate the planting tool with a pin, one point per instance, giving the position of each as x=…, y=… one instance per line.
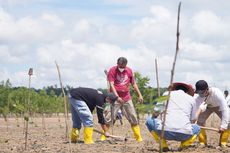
x=209, y=128
x=112, y=136
x=112, y=103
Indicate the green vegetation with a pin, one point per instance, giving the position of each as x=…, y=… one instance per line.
x=15, y=100
x=149, y=94
x=49, y=100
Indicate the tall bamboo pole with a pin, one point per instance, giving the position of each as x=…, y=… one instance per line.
x=112, y=104
x=65, y=107
x=26, y=117
x=64, y=98
x=158, y=86
x=172, y=75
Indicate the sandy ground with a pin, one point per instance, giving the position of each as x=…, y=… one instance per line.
x=52, y=139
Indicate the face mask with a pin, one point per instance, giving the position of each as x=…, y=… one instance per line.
x=202, y=95
x=121, y=69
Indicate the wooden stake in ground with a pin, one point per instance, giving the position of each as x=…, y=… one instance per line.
x=65, y=106
x=43, y=119
x=26, y=117
x=112, y=104
x=172, y=75
x=65, y=102
x=158, y=86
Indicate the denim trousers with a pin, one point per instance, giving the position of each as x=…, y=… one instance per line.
x=153, y=124
x=81, y=113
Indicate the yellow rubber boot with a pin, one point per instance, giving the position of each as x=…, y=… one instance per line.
x=157, y=139
x=189, y=142
x=137, y=133
x=88, y=135
x=74, y=135
x=103, y=137
x=202, y=137
x=224, y=138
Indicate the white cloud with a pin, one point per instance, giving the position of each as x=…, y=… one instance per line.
x=208, y=23
x=85, y=42
x=201, y=51
x=160, y=12
x=82, y=26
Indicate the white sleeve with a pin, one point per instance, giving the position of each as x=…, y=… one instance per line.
x=194, y=109
x=196, y=105
x=228, y=100
x=224, y=109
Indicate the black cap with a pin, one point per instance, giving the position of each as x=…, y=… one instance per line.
x=112, y=96
x=201, y=85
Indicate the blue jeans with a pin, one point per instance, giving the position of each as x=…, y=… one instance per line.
x=80, y=113
x=153, y=124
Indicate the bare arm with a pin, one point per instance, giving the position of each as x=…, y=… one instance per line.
x=140, y=98
x=119, y=99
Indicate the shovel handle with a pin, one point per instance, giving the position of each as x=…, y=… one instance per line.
x=111, y=136
x=209, y=128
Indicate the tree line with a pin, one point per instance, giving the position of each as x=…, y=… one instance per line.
x=49, y=100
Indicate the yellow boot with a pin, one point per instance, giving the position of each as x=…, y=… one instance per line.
x=103, y=137
x=224, y=138
x=137, y=133
x=202, y=137
x=189, y=142
x=74, y=135
x=157, y=139
x=88, y=135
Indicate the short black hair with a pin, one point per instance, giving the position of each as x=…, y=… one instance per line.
x=201, y=85
x=122, y=60
x=181, y=87
x=226, y=92
x=111, y=96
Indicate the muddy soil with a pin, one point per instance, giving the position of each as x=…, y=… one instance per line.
x=51, y=138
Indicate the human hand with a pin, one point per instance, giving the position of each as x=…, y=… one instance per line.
x=193, y=121
x=221, y=130
x=120, y=100
x=140, y=99
x=106, y=134
x=203, y=106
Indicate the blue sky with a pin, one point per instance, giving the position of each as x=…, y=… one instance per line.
x=86, y=37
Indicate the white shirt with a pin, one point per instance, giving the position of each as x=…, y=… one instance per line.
x=179, y=112
x=228, y=100
x=216, y=99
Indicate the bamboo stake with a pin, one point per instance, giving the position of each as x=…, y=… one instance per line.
x=26, y=117
x=65, y=106
x=112, y=104
x=172, y=75
x=158, y=86
x=108, y=85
